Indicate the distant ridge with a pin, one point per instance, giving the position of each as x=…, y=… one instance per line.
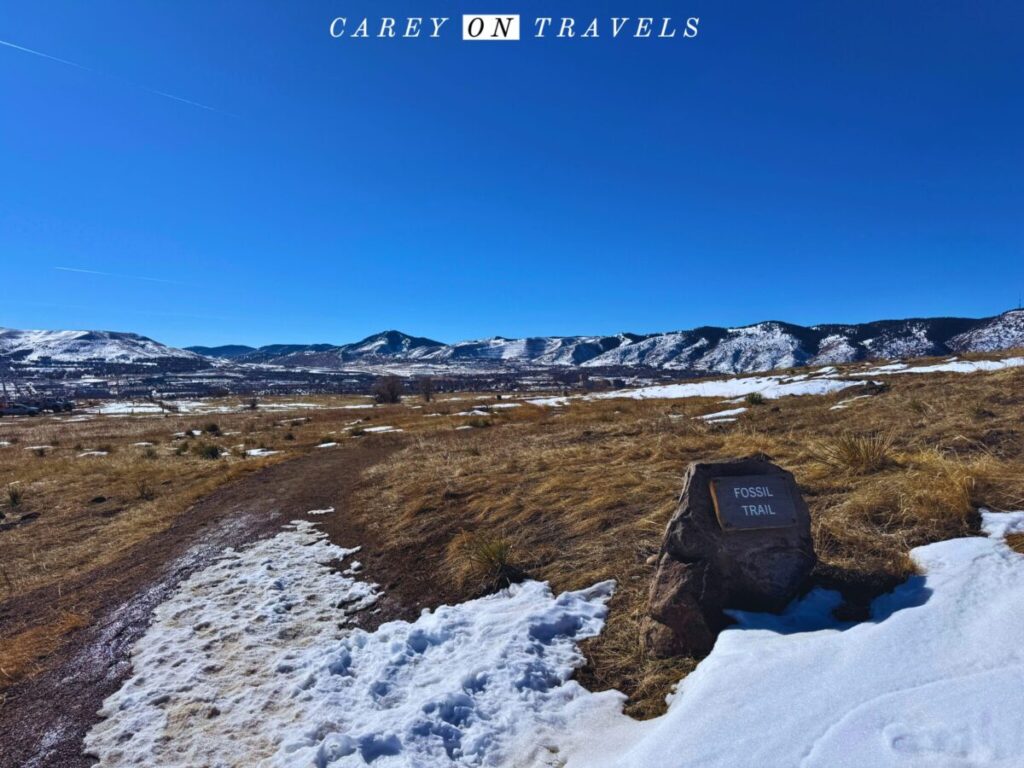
x=760, y=347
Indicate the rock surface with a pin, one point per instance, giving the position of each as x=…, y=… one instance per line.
x=703, y=570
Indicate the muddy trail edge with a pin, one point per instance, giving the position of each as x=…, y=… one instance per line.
x=45, y=717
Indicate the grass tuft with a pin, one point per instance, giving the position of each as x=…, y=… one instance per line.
x=857, y=454
x=207, y=451
x=483, y=561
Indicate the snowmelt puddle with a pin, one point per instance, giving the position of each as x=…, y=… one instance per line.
x=257, y=661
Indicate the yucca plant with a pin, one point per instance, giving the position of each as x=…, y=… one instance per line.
x=483, y=561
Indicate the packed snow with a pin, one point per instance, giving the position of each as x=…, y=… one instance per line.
x=842, y=405
x=769, y=387
x=933, y=679
x=257, y=452
x=256, y=661
x=727, y=415
x=951, y=366
x=326, y=511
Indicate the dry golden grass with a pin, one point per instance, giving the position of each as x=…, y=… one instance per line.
x=483, y=561
x=70, y=532
x=23, y=651
x=857, y=454
x=146, y=486
x=572, y=495
x=589, y=488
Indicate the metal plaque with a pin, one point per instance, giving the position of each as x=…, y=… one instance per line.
x=755, y=501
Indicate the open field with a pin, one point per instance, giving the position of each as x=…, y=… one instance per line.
x=468, y=495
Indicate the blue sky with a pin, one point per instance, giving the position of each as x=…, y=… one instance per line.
x=812, y=162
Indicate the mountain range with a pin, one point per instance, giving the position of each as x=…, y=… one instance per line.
x=759, y=347
x=763, y=346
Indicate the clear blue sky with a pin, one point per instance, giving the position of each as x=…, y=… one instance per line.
x=805, y=161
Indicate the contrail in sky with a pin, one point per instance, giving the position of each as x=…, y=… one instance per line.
x=123, y=277
x=97, y=72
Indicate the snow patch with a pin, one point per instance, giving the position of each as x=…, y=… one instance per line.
x=723, y=415
x=770, y=387
x=955, y=366
x=327, y=511
x=933, y=679
x=255, y=661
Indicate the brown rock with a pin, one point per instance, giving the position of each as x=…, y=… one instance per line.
x=704, y=569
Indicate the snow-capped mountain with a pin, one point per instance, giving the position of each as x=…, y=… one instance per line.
x=43, y=347
x=1003, y=332
x=760, y=347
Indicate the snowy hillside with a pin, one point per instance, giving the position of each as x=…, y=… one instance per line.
x=759, y=347
x=86, y=346
x=1003, y=332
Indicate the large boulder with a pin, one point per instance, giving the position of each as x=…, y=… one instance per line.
x=750, y=550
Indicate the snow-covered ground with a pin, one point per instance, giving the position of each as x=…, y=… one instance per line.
x=770, y=387
x=950, y=366
x=257, y=661
x=934, y=679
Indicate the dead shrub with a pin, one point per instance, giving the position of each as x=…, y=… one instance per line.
x=207, y=451
x=388, y=389
x=144, y=490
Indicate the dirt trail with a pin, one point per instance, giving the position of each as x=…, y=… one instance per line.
x=45, y=717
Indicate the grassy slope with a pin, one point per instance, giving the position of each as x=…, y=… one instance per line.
x=575, y=495
x=584, y=493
